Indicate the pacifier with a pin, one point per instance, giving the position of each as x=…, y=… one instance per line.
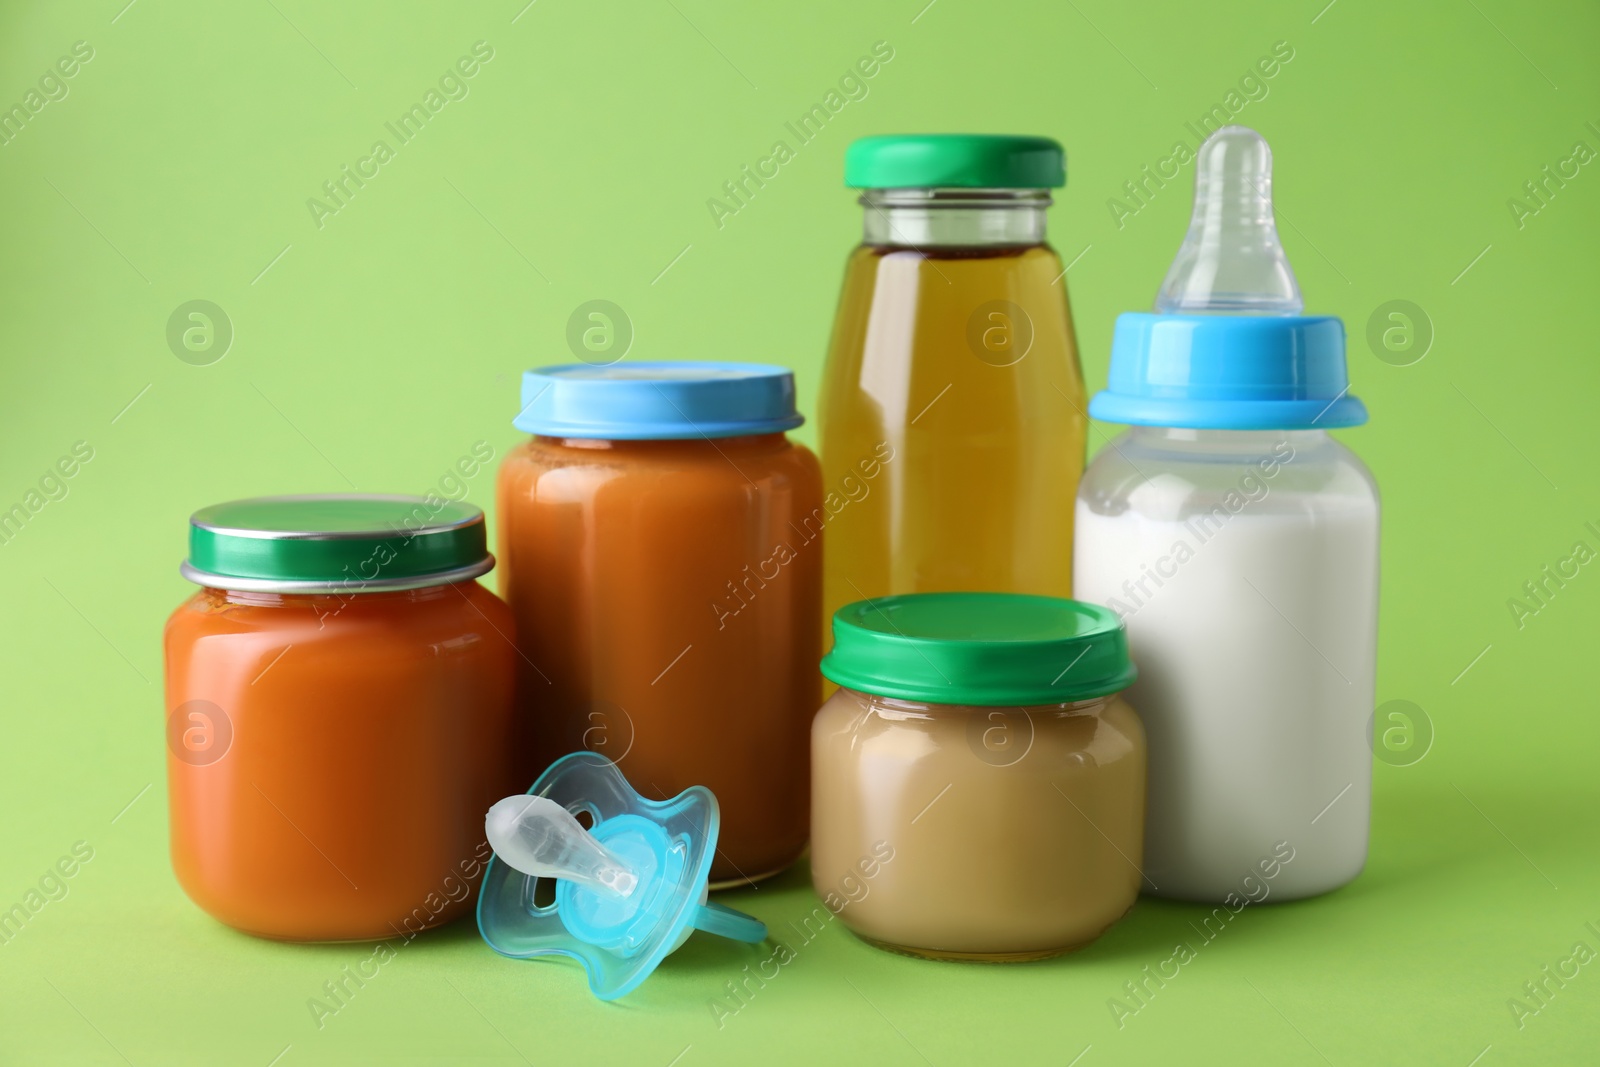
x=628, y=891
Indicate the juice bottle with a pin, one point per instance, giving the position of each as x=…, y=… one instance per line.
x=952, y=407
x=1239, y=543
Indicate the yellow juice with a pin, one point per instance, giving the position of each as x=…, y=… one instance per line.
x=952, y=423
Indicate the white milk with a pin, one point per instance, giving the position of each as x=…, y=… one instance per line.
x=1245, y=565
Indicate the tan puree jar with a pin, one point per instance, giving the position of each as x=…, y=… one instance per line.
x=978, y=782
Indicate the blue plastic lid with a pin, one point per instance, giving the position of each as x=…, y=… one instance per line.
x=1228, y=372
x=663, y=401
x=1227, y=347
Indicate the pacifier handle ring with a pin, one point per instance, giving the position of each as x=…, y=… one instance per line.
x=713, y=918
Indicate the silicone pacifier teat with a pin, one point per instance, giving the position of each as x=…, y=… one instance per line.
x=1231, y=261
x=537, y=836
x=627, y=891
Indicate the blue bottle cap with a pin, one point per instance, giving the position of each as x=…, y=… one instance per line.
x=661, y=401
x=1227, y=347
x=628, y=891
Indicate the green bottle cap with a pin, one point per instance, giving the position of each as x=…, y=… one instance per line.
x=346, y=543
x=955, y=160
x=990, y=649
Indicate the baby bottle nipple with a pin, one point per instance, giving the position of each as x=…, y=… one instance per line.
x=539, y=837
x=626, y=892
x=1227, y=347
x=1231, y=261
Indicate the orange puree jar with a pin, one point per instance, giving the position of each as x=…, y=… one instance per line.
x=339, y=712
x=660, y=543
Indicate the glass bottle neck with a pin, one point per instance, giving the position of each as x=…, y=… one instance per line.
x=972, y=218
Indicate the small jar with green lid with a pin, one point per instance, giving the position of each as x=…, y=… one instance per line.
x=338, y=714
x=978, y=782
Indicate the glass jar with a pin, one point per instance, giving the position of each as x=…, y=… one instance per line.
x=978, y=783
x=952, y=403
x=660, y=545
x=339, y=702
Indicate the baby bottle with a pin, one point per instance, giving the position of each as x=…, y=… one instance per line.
x=952, y=408
x=1239, y=544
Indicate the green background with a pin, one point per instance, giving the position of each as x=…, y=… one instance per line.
x=376, y=350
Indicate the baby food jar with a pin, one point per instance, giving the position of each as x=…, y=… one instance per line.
x=339, y=702
x=660, y=543
x=978, y=787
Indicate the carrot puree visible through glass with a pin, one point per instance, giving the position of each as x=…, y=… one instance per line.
x=332, y=757
x=667, y=595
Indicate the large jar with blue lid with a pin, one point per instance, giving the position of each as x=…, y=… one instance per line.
x=1238, y=541
x=660, y=544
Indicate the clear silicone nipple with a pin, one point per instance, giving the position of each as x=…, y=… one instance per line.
x=539, y=837
x=1231, y=261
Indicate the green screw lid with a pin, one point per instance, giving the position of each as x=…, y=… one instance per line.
x=991, y=649
x=347, y=543
x=959, y=160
